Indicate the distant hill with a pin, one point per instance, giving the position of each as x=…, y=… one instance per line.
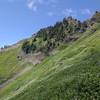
x=60, y=62
x=66, y=31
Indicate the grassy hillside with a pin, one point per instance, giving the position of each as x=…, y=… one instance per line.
x=70, y=70
x=9, y=64
x=70, y=73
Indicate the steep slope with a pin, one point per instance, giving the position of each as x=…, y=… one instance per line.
x=71, y=73
x=64, y=32
x=10, y=65
x=6, y=67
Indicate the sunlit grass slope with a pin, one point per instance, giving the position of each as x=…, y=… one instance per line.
x=72, y=73
x=9, y=64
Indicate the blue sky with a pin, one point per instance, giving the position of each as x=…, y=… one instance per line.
x=19, y=19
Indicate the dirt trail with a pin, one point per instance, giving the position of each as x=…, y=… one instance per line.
x=16, y=76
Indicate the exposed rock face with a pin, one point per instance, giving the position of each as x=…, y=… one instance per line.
x=34, y=59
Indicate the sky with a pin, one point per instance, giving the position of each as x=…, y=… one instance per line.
x=20, y=19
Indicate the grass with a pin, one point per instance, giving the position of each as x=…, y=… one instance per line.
x=7, y=68
x=73, y=73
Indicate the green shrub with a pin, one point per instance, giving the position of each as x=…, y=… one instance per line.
x=26, y=47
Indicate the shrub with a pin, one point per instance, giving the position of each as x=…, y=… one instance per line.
x=26, y=47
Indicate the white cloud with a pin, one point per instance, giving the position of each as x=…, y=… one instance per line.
x=34, y=4
x=69, y=12
x=86, y=12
